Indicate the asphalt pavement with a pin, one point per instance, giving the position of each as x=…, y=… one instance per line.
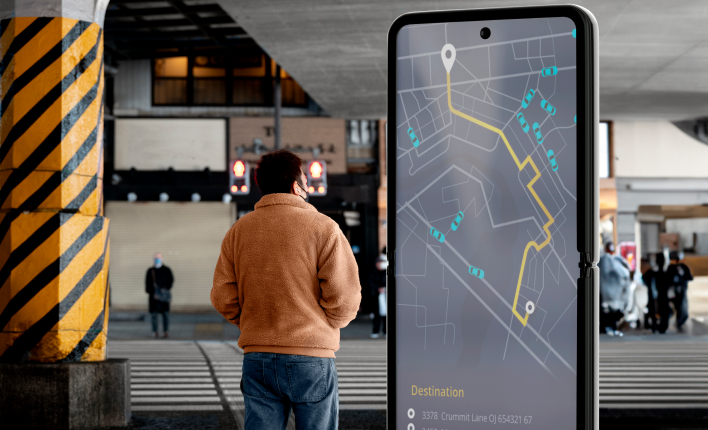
x=190, y=381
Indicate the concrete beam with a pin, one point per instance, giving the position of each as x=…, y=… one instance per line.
x=83, y=10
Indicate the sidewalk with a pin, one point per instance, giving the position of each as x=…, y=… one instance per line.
x=201, y=326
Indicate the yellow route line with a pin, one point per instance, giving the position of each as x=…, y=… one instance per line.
x=529, y=186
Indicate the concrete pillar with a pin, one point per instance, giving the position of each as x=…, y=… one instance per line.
x=53, y=236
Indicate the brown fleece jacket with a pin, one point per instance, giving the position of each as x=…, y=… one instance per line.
x=287, y=278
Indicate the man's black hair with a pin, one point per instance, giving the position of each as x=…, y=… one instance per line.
x=276, y=171
x=660, y=260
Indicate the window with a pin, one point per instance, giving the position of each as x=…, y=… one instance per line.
x=605, y=150
x=170, y=83
x=209, y=80
x=241, y=79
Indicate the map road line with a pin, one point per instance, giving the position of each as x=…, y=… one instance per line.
x=521, y=166
x=501, y=298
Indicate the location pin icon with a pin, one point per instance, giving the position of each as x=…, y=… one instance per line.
x=448, y=62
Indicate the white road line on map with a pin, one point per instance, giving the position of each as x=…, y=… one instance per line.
x=483, y=101
x=500, y=298
x=486, y=45
x=492, y=312
x=481, y=80
x=559, y=318
x=491, y=219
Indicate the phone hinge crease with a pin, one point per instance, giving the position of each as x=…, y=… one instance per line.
x=585, y=264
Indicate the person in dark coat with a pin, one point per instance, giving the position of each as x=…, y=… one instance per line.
x=678, y=275
x=656, y=281
x=157, y=277
x=377, y=283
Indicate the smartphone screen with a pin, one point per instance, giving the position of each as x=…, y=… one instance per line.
x=486, y=253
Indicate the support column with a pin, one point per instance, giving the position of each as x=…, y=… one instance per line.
x=53, y=235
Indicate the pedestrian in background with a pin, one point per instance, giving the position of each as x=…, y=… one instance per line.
x=614, y=284
x=678, y=275
x=288, y=279
x=655, y=280
x=377, y=283
x=158, y=283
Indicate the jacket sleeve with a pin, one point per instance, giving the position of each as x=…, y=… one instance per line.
x=688, y=274
x=170, y=279
x=339, y=281
x=148, y=282
x=224, y=293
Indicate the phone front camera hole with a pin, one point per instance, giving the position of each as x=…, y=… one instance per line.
x=485, y=33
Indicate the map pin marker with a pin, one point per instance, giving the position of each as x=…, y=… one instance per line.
x=448, y=62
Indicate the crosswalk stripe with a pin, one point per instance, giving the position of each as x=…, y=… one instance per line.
x=135, y=386
x=178, y=399
x=645, y=374
x=176, y=376
x=205, y=373
x=169, y=380
x=178, y=408
x=173, y=392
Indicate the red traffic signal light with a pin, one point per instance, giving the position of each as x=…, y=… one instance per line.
x=239, y=177
x=315, y=169
x=317, y=178
x=239, y=168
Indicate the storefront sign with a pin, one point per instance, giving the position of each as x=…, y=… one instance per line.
x=255, y=136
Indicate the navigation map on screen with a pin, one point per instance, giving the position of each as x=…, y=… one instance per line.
x=486, y=255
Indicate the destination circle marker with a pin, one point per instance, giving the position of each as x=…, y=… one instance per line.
x=448, y=62
x=411, y=426
x=411, y=413
x=530, y=307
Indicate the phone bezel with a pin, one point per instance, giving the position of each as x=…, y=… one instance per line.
x=587, y=189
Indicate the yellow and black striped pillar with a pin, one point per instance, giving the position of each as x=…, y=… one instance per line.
x=53, y=236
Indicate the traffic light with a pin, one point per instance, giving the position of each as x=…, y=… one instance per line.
x=317, y=178
x=239, y=177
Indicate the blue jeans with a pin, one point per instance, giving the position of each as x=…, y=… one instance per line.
x=273, y=383
x=165, y=321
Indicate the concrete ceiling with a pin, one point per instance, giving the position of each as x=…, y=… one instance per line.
x=653, y=53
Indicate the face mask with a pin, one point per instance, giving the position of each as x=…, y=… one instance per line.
x=302, y=190
x=158, y=262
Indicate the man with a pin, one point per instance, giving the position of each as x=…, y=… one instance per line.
x=287, y=278
x=614, y=282
x=678, y=275
x=158, y=283
x=656, y=281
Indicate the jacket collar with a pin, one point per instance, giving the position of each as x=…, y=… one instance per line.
x=284, y=199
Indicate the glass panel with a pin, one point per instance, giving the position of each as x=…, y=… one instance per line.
x=249, y=92
x=208, y=72
x=249, y=66
x=604, y=150
x=209, y=92
x=175, y=67
x=170, y=91
x=293, y=94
